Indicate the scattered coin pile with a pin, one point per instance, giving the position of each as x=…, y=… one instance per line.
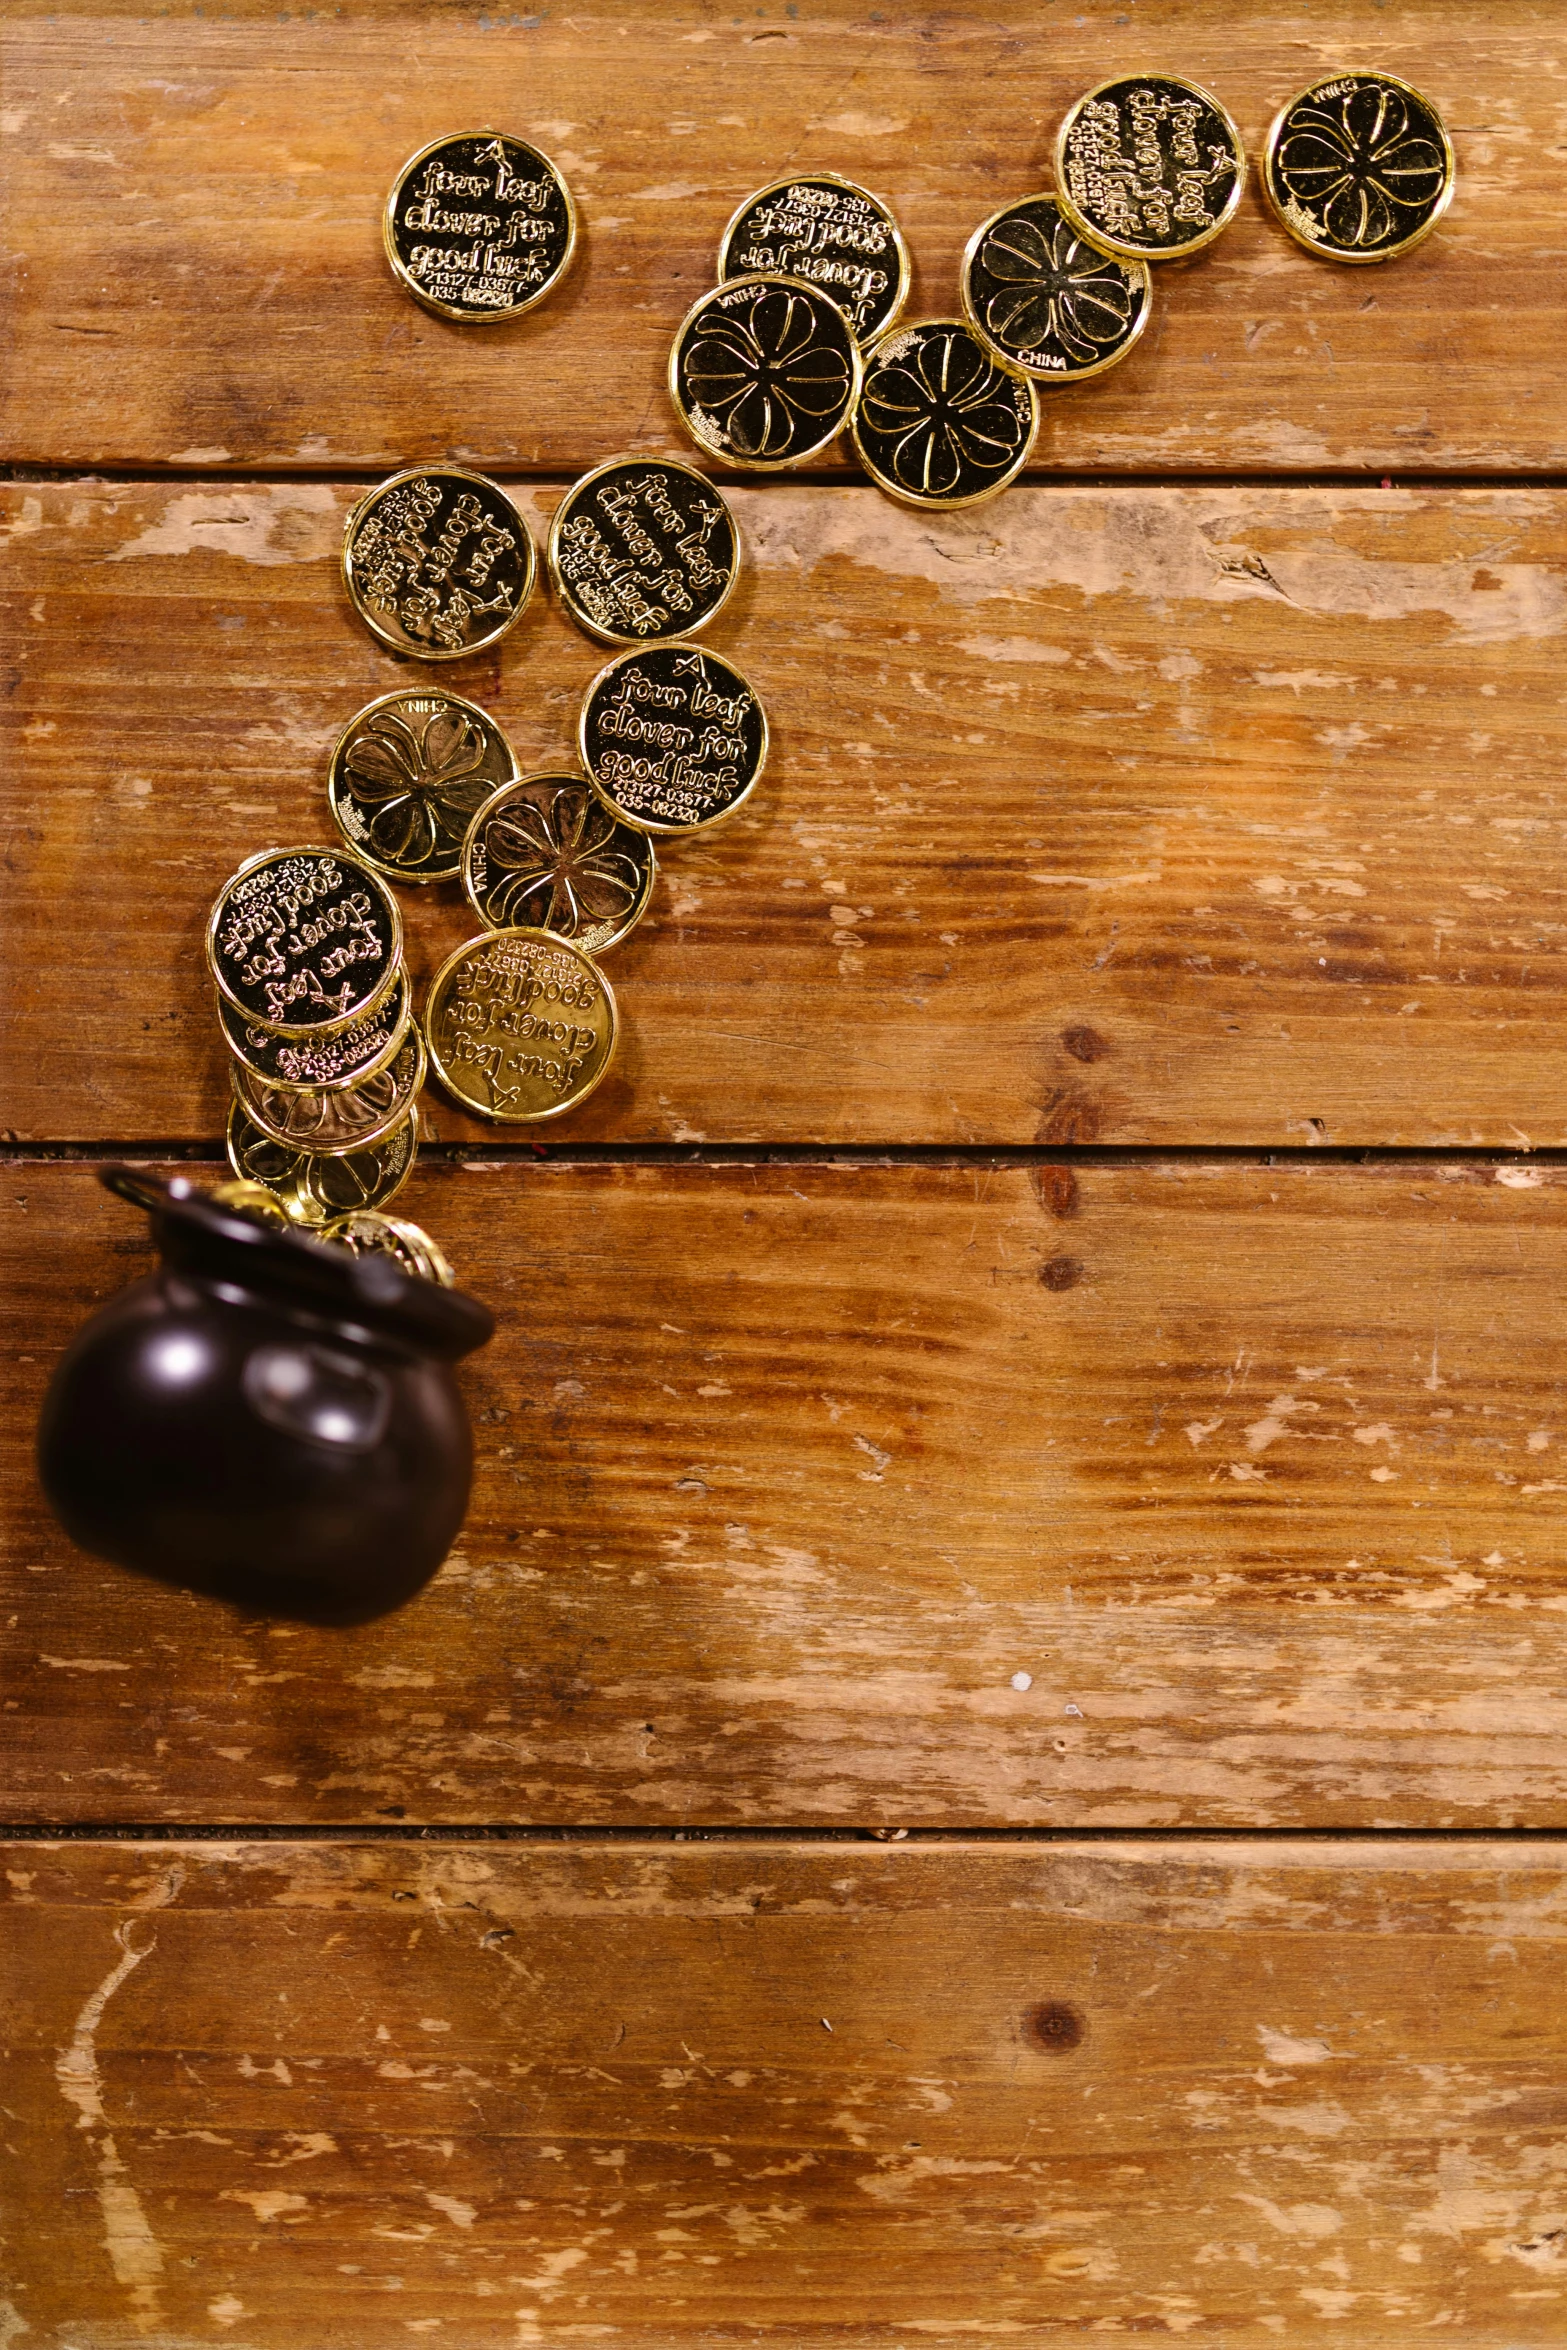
x=802, y=336
x=801, y=339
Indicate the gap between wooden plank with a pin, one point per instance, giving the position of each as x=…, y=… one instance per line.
x=502, y=1832
x=204, y=1150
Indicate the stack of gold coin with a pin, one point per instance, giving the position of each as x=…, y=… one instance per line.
x=305, y=948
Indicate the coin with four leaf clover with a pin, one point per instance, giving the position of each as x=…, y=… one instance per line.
x=438, y=561
x=311, y=1188
x=1046, y=299
x=1149, y=166
x=831, y=234
x=409, y=775
x=673, y=738
x=765, y=372
x=479, y=227
x=642, y=548
x=1359, y=167
x=339, y=1120
x=547, y=854
x=942, y=421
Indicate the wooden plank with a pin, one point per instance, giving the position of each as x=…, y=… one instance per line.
x=1131, y=814
x=1218, y=1495
x=234, y=167
x=284, y=2095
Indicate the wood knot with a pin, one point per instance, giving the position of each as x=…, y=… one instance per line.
x=1057, y=2025
x=1062, y=1272
x=1057, y=1189
x=1084, y=1044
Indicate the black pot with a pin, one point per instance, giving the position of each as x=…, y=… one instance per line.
x=267, y=1418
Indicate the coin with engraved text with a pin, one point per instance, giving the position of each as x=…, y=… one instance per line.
x=828, y=233
x=409, y=775
x=438, y=562
x=643, y=548
x=1149, y=166
x=1041, y=296
x=673, y=737
x=942, y=421
x=764, y=372
x=479, y=227
x=1359, y=167
x=305, y=940
x=306, y=1064
x=348, y=1118
x=547, y=854
x=521, y=1026
x=370, y=1234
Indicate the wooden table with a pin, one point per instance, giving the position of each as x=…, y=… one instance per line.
x=988, y=1767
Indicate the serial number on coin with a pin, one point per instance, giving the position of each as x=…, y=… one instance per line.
x=479, y=227
x=408, y=776
x=830, y=234
x=547, y=854
x=643, y=548
x=314, y=1063
x=764, y=372
x=1149, y=166
x=521, y=1026
x=304, y=939
x=673, y=738
x=942, y=421
x=438, y=562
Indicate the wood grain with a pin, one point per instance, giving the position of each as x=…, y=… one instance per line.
x=1130, y=815
x=842, y=1495
x=193, y=210
x=277, y=2094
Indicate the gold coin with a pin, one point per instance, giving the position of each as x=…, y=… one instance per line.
x=1046, y=300
x=1359, y=167
x=370, y=1234
x=1149, y=167
x=673, y=738
x=942, y=421
x=334, y=1123
x=479, y=228
x=252, y=1199
x=312, y=1189
x=407, y=778
x=764, y=372
x=546, y=853
x=315, y=1063
x=304, y=942
x=642, y=548
x=830, y=234
x=438, y=561
x=521, y=1026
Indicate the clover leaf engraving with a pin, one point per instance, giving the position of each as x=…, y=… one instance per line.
x=415, y=784
x=1053, y=289
x=558, y=866
x=1360, y=166
x=766, y=373
x=947, y=411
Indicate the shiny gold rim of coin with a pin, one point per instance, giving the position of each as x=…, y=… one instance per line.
x=829, y=179
x=438, y=472
x=439, y=1046
x=1285, y=212
x=714, y=448
x=931, y=502
x=378, y=1172
x=292, y=1030
x=407, y=1073
x=369, y=1233
x=337, y=788
x=1066, y=376
x=1096, y=235
x=661, y=831
x=251, y=1199
x=455, y=312
x=562, y=587
x=517, y=790
x=398, y=1010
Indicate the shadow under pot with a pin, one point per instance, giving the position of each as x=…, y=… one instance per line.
x=267, y=1418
